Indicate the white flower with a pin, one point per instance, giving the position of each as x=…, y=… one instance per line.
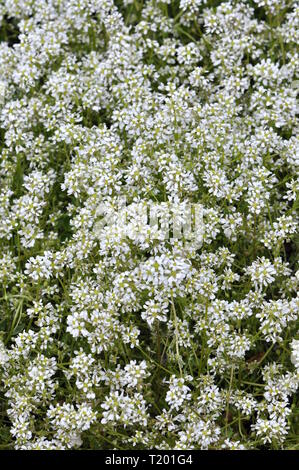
x=178, y=392
x=295, y=353
x=262, y=272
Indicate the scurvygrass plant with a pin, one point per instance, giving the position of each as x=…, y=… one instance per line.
x=113, y=335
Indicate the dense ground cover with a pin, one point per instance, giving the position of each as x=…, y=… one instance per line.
x=115, y=336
